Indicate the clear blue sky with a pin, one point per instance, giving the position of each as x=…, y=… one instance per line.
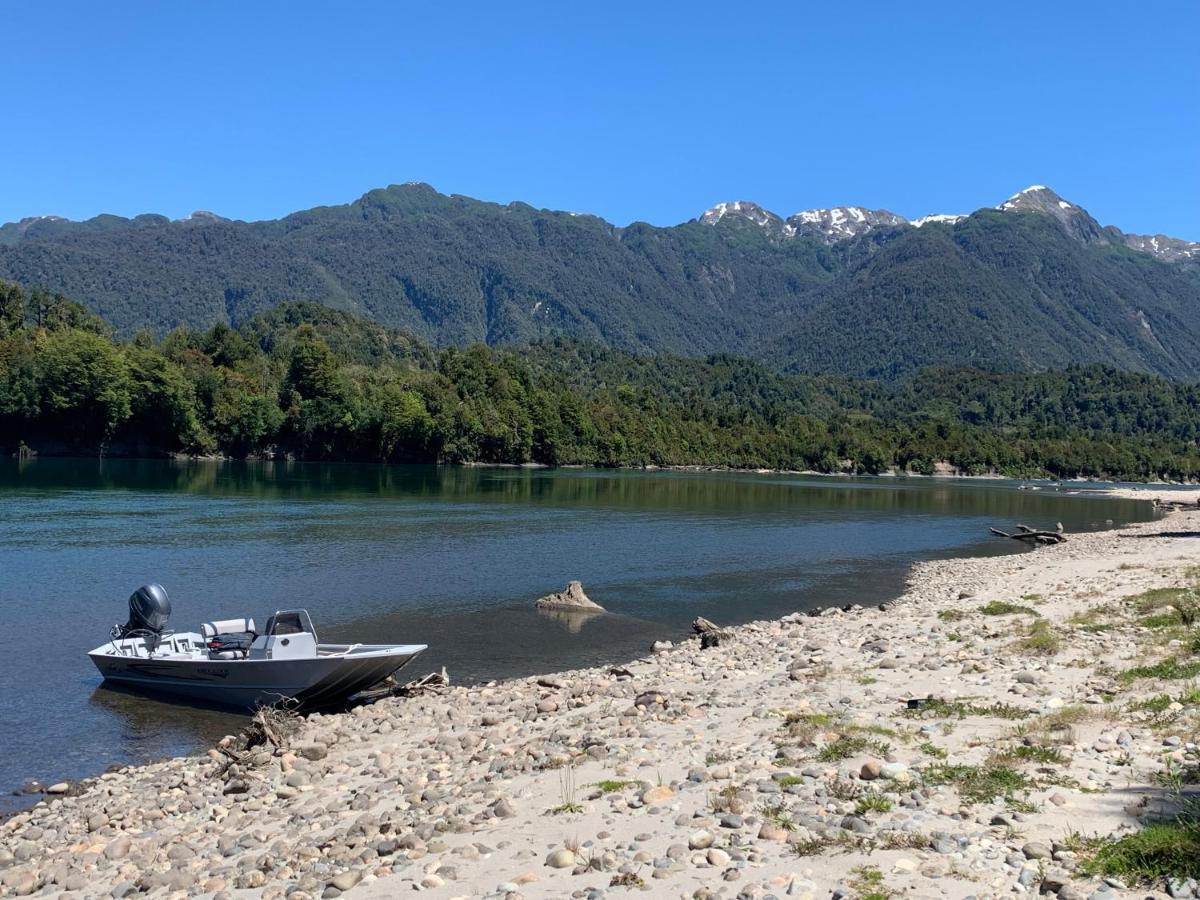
x=645, y=110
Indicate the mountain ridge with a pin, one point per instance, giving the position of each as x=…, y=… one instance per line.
x=1027, y=286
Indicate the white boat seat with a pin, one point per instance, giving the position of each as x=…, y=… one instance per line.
x=227, y=626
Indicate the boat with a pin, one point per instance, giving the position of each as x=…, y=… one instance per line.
x=228, y=662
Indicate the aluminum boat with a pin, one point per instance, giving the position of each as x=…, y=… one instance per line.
x=229, y=663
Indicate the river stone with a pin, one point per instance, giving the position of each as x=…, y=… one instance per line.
x=561, y=859
x=771, y=832
x=1037, y=850
x=118, y=848
x=701, y=840
x=346, y=880
x=314, y=751
x=717, y=857
x=658, y=794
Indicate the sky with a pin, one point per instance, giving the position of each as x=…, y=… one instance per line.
x=649, y=111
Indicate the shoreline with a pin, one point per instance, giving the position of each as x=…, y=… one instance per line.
x=471, y=789
x=1074, y=482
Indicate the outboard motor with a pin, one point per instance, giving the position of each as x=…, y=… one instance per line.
x=149, y=611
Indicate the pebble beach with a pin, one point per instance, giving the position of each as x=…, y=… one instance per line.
x=968, y=739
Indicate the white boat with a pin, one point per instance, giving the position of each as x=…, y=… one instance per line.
x=229, y=663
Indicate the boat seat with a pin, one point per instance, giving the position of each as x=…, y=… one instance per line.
x=228, y=638
x=228, y=626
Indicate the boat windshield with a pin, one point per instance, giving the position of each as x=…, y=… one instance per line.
x=291, y=621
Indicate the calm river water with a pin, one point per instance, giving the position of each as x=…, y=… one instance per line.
x=451, y=557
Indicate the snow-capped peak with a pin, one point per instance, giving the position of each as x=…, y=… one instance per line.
x=948, y=218
x=750, y=212
x=840, y=223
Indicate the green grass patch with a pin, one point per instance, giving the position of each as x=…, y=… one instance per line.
x=1172, y=669
x=1035, y=753
x=613, y=785
x=873, y=803
x=960, y=709
x=978, y=784
x=778, y=813
x=1041, y=639
x=820, y=720
x=929, y=748
x=951, y=615
x=1157, y=852
x=867, y=884
x=849, y=745
x=1004, y=608
x=1160, y=703
x=1158, y=598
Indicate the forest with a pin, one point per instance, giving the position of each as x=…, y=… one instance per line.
x=308, y=382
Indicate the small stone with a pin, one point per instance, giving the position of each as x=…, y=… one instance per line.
x=118, y=848
x=658, y=794
x=772, y=832
x=561, y=859
x=503, y=809
x=1037, y=850
x=60, y=788
x=870, y=770
x=346, y=880
x=314, y=751
x=717, y=857
x=701, y=840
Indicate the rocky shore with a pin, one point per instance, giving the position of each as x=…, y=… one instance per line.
x=968, y=740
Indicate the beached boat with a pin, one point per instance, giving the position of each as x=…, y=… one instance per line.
x=229, y=663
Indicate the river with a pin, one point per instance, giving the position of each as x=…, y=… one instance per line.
x=449, y=556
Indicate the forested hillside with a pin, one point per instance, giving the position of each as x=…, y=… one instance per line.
x=307, y=382
x=1009, y=290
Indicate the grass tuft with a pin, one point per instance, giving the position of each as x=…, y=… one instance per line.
x=1157, y=852
x=1171, y=669
x=1004, y=608
x=1040, y=639
x=978, y=784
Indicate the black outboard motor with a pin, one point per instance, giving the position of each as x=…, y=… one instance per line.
x=149, y=611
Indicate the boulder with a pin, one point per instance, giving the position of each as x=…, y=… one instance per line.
x=573, y=598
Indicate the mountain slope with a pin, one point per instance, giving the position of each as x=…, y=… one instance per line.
x=1032, y=284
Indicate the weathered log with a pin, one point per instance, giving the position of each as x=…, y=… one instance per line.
x=1031, y=536
x=711, y=634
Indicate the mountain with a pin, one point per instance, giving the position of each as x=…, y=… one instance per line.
x=1031, y=284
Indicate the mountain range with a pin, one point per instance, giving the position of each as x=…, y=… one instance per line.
x=1033, y=283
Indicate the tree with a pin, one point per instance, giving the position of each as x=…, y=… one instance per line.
x=12, y=308
x=83, y=385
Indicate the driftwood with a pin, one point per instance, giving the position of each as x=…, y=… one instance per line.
x=391, y=688
x=711, y=634
x=271, y=729
x=1031, y=535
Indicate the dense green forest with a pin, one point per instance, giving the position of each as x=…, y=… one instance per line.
x=306, y=381
x=999, y=290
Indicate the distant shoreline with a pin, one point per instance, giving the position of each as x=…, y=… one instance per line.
x=1036, y=481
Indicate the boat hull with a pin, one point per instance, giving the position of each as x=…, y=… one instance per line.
x=248, y=683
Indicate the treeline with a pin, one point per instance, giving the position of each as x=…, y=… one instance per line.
x=308, y=382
